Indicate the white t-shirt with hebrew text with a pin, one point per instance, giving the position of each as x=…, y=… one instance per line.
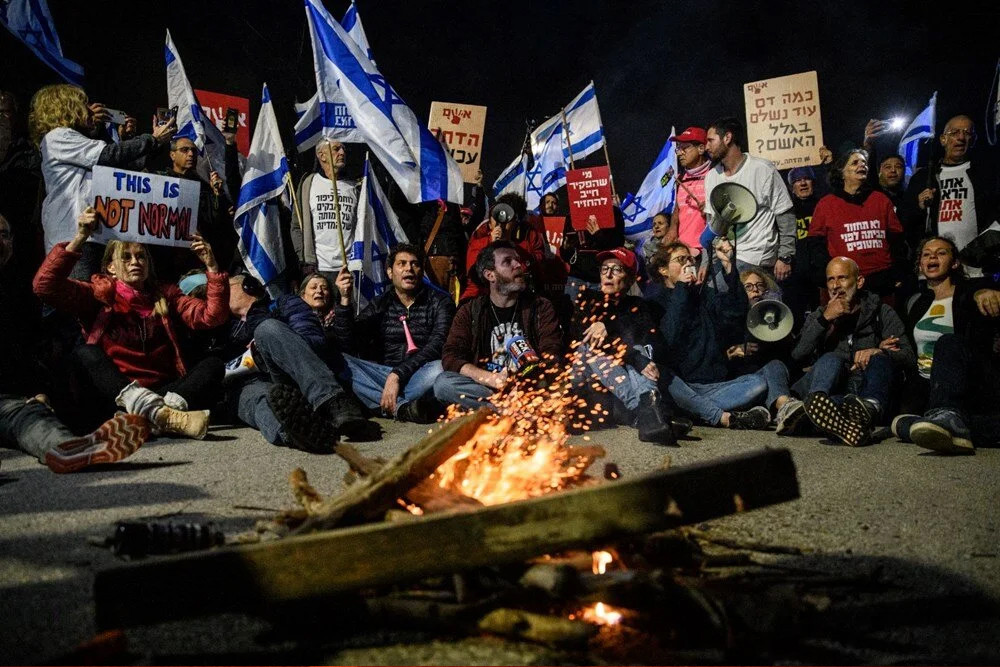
x=324, y=219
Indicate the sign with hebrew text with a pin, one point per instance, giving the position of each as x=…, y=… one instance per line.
x=784, y=124
x=461, y=127
x=589, y=194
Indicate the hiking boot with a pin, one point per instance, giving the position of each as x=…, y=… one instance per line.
x=832, y=420
x=190, y=424
x=652, y=422
x=942, y=431
x=114, y=440
x=345, y=415
x=790, y=417
x=424, y=410
x=901, y=426
x=301, y=427
x=755, y=419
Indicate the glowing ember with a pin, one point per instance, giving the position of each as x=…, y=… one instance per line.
x=601, y=561
x=599, y=614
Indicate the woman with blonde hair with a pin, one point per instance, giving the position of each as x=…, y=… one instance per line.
x=62, y=124
x=132, y=356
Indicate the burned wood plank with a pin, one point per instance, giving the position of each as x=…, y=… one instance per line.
x=252, y=577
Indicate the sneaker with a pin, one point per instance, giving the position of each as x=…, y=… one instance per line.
x=790, y=417
x=859, y=410
x=301, y=427
x=942, y=431
x=901, y=425
x=345, y=414
x=755, y=419
x=834, y=421
x=114, y=440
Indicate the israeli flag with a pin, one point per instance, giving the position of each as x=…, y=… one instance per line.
x=309, y=128
x=31, y=22
x=657, y=194
x=921, y=128
x=513, y=178
x=257, y=216
x=584, y=129
x=548, y=173
x=378, y=230
x=420, y=165
x=179, y=94
x=352, y=24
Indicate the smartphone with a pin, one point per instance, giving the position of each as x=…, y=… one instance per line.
x=690, y=270
x=163, y=115
x=115, y=116
x=172, y=113
x=232, y=121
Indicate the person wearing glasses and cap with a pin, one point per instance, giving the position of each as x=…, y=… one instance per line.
x=687, y=221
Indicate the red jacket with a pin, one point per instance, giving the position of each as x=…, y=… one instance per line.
x=531, y=250
x=858, y=229
x=157, y=357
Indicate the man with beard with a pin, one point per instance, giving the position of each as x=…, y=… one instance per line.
x=857, y=345
x=957, y=198
x=400, y=335
x=768, y=240
x=497, y=335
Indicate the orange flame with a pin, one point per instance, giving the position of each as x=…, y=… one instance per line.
x=599, y=614
x=601, y=561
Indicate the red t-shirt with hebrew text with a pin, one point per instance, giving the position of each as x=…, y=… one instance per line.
x=857, y=230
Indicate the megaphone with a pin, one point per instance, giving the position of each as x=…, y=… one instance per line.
x=503, y=213
x=770, y=321
x=732, y=204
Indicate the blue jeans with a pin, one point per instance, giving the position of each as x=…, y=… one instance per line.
x=31, y=427
x=708, y=401
x=368, y=378
x=623, y=381
x=455, y=388
x=830, y=375
x=253, y=409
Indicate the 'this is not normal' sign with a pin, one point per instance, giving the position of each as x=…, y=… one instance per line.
x=144, y=208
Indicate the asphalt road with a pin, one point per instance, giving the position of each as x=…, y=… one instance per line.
x=925, y=524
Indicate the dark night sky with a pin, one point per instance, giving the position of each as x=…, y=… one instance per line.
x=655, y=64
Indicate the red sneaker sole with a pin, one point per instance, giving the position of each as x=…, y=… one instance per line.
x=116, y=439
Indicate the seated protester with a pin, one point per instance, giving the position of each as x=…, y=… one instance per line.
x=697, y=326
x=528, y=242
x=475, y=357
x=29, y=424
x=393, y=348
x=62, y=125
x=581, y=247
x=132, y=356
x=295, y=399
x=317, y=292
x=606, y=320
x=860, y=223
x=856, y=345
x=752, y=354
x=952, y=323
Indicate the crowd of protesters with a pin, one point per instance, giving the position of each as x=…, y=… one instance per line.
x=893, y=294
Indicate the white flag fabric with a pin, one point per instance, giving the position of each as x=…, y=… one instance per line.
x=257, y=216
x=416, y=160
x=377, y=231
x=921, y=128
x=31, y=22
x=314, y=117
x=179, y=94
x=548, y=173
x=584, y=129
x=513, y=178
x=352, y=24
x=657, y=194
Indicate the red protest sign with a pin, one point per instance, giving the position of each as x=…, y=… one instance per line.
x=554, y=228
x=589, y=191
x=215, y=106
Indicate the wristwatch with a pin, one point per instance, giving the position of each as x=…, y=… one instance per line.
x=787, y=259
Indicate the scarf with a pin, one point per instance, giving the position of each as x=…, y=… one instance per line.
x=130, y=299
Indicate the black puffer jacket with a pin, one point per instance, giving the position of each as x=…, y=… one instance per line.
x=377, y=332
x=630, y=320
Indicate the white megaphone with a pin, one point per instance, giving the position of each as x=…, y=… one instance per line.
x=732, y=204
x=770, y=321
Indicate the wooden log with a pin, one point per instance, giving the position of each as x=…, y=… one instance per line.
x=251, y=577
x=552, y=630
x=368, y=499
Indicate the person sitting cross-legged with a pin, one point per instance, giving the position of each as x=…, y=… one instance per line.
x=857, y=345
x=295, y=399
x=475, y=357
x=393, y=347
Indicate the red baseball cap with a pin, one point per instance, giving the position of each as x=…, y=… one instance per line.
x=623, y=255
x=694, y=135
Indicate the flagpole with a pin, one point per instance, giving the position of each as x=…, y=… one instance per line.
x=569, y=144
x=336, y=203
x=295, y=200
x=607, y=160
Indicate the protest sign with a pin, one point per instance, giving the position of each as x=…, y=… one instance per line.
x=554, y=232
x=589, y=193
x=461, y=127
x=215, y=106
x=784, y=124
x=144, y=208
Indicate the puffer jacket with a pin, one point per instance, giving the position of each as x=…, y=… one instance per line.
x=94, y=304
x=630, y=321
x=377, y=332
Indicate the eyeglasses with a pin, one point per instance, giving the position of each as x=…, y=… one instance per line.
x=683, y=259
x=755, y=287
x=185, y=149
x=958, y=132
x=612, y=270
